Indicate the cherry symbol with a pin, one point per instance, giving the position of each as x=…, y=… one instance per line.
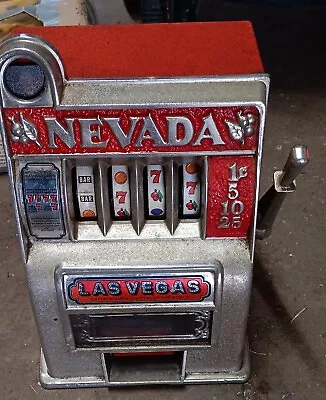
x=154, y=195
x=120, y=212
x=190, y=205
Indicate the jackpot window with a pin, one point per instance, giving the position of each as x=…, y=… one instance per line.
x=136, y=193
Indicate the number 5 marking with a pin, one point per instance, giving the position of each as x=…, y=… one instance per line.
x=192, y=187
x=121, y=196
x=156, y=174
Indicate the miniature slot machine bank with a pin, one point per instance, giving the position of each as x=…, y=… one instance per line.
x=134, y=154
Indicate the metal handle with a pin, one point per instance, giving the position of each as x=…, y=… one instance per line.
x=297, y=160
x=284, y=182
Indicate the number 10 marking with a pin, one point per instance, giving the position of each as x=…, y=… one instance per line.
x=236, y=208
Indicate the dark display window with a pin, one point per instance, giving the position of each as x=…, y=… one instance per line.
x=102, y=330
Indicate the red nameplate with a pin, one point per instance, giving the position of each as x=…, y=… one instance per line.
x=165, y=130
x=129, y=290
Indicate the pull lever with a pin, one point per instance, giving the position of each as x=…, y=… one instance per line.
x=284, y=182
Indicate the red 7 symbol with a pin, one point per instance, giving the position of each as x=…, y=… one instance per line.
x=121, y=196
x=192, y=187
x=156, y=174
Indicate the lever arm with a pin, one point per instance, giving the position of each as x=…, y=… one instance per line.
x=284, y=182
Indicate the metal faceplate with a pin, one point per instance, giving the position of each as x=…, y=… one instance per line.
x=114, y=308
x=88, y=276
x=218, y=124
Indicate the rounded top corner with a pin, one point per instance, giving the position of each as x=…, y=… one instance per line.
x=21, y=48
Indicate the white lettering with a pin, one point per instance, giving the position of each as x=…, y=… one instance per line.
x=123, y=137
x=180, y=132
x=175, y=124
x=88, y=134
x=55, y=129
x=209, y=131
x=150, y=132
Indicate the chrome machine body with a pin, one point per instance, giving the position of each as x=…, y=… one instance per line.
x=136, y=197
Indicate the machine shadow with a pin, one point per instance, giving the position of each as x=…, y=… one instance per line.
x=270, y=321
x=290, y=41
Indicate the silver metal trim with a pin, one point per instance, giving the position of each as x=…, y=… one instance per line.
x=201, y=336
x=104, y=219
x=183, y=365
x=68, y=209
x=105, y=370
x=172, y=195
x=111, y=93
x=49, y=382
x=137, y=197
x=252, y=231
x=43, y=54
x=241, y=376
x=119, y=156
x=204, y=197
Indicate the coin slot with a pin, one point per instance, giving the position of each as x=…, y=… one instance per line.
x=145, y=367
x=24, y=79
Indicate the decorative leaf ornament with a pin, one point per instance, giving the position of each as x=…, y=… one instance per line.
x=30, y=130
x=243, y=127
x=235, y=131
x=23, y=131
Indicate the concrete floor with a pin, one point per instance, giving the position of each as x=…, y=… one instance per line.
x=288, y=359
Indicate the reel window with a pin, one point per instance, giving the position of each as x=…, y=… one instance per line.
x=24, y=79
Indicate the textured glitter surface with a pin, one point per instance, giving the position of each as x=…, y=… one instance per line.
x=195, y=115
x=26, y=81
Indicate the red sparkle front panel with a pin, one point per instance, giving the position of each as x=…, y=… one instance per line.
x=228, y=136
x=165, y=130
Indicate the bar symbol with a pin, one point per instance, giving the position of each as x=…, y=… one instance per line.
x=190, y=190
x=121, y=208
x=155, y=181
x=86, y=192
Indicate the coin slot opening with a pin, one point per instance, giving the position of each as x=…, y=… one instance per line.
x=24, y=79
x=145, y=367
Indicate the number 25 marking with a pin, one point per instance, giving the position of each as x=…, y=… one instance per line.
x=156, y=174
x=225, y=222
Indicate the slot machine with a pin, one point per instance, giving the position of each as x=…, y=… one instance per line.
x=134, y=154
